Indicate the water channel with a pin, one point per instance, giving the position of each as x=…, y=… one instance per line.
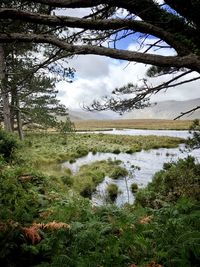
x=149, y=163
x=173, y=133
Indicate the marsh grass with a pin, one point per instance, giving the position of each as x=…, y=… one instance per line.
x=43, y=149
x=46, y=152
x=133, y=124
x=112, y=191
x=89, y=176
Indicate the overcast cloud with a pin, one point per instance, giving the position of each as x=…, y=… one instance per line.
x=97, y=76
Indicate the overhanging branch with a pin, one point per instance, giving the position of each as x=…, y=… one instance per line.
x=190, y=61
x=91, y=24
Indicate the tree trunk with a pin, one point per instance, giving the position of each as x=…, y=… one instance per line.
x=12, y=109
x=19, y=120
x=4, y=92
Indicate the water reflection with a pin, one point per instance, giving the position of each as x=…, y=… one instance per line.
x=149, y=162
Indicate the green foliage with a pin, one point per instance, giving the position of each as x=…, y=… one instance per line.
x=176, y=231
x=67, y=180
x=98, y=236
x=44, y=221
x=134, y=188
x=66, y=126
x=8, y=144
x=21, y=195
x=89, y=176
x=112, y=191
x=175, y=181
x=154, y=71
x=50, y=148
x=194, y=141
x=118, y=172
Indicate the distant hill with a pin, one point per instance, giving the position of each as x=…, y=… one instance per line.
x=166, y=110
x=78, y=115
x=162, y=110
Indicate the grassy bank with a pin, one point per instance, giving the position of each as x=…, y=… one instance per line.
x=45, y=148
x=133, y=124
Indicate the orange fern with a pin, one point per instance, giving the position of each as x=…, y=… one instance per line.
x=32, y=234
x=146, y=220
x=56, y=225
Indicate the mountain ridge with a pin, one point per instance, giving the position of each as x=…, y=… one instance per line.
x=161, y=110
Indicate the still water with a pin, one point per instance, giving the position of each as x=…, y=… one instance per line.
x=149, y=162
x=173, y=133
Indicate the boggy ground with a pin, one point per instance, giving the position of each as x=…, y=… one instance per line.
x=41, y=148
x=45, y=220
x=46, y=152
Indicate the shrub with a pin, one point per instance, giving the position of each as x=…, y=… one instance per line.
x=8, y=144
x=16, y=202
x=181, y=179
x=81, y=152
x=129, y=151
x=194, y=141
x=71, y=161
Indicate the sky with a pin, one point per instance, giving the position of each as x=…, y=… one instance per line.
x=98, y=76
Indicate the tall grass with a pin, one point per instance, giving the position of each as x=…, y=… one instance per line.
x=49, y=148
x=133, y=124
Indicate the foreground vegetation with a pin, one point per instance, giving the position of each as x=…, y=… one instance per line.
x=148, y=124
x=48, y=220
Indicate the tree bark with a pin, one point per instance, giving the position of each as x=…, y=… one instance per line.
x=19, y=121
x=4, y=92
x=12, y=108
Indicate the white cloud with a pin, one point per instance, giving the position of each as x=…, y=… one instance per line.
x=159, y=1
x=98, y=76
x=73, y=12
x=90, y=66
